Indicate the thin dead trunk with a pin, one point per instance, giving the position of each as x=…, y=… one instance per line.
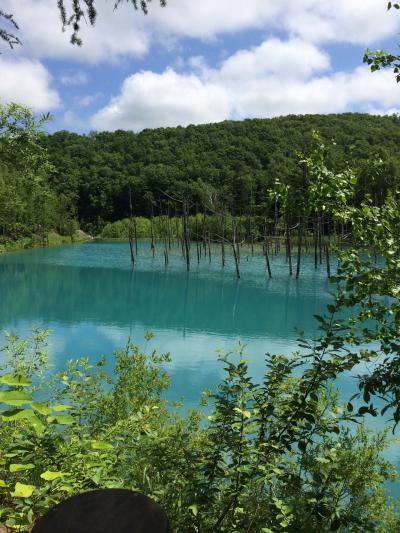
x=289, y=247
x=234, y=246
x=328, y=261
x=299, y=239
x=222, y=241
x=315, y=244
x=266, y=251
x=152, y=245
x=130, y=230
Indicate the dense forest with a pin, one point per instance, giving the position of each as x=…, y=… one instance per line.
x=97, y=175
x=232, y=183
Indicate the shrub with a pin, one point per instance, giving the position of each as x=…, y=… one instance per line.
x=270, y=457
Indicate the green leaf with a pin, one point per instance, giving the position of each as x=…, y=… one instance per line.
x=101, y=445
x=94, y=464
x=15, y=380
x=2, y=483
x=323, y=460
x=28, y=415
x=15, y=397
x=51, y=476
x=194, y=509
x=11, y=414
x=64, y=420
x=41, y=408
x=16, y=467
x=23, y=491
x=61, y=407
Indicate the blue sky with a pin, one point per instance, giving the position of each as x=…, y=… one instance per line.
x=200, y=61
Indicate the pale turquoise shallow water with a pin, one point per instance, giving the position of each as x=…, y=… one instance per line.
x=92, y=300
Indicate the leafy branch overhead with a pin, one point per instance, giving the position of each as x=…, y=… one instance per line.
x=5, y=33
x=380, y=59
x=72, y=12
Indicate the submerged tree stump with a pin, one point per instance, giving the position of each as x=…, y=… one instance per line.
x=105, y=511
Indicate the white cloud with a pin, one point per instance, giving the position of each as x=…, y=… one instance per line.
x=116, y=34
x=27, y=82
x=353, y=21
x=88, y=100
x=356, y=21
x=292, y=59
x=385, y=112
x=72, y=120
x=149, y=100
x=75, y=78
x=128, y=33
x=275, y=78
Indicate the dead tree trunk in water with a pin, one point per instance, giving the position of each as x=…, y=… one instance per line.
x=315, y=244
x=169, y=228
x=222, y=241
x=289, y=247
x=197, y=239
x=152, y=245
x=186, y=232
x=251, y=235
x=237, y=242
x=177, y=227
x=321, y=240
x=130, y=229
x=299, y=243
x=135, y=234
x=276, y=226
x=235, y=245
x=164, y=233
x=266, y=250
x=328, y=260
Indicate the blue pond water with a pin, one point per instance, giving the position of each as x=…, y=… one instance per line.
x=93, y=301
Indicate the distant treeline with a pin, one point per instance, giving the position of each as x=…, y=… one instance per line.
x=104, y=177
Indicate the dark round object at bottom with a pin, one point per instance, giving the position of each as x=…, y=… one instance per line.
x=105, y=511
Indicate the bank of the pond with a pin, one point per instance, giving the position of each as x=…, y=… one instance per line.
x=36, y=241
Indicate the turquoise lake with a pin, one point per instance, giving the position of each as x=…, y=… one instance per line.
x=92, y=300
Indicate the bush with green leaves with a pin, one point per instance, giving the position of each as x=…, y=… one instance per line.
x=273, y=456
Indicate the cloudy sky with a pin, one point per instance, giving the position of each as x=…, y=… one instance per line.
x=200, y=61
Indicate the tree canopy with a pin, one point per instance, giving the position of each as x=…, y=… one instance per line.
x=239, y=161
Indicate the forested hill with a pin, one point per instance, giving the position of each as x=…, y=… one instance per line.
x=240, y=159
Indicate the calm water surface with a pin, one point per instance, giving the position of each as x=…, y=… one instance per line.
x=93, y=301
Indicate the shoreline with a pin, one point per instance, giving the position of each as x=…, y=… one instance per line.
x=54, y=239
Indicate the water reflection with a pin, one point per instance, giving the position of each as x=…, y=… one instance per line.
x=32, y=290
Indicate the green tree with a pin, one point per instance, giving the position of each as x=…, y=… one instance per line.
x=27, y=203
x=380, y=59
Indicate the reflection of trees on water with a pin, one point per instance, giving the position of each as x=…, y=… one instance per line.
x=68, y=294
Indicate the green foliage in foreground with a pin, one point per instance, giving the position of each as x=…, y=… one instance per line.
x=269, y=457
x=381, y=59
